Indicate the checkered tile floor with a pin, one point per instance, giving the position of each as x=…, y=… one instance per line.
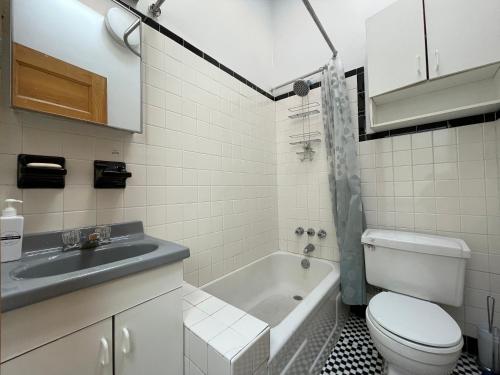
x=355, y=353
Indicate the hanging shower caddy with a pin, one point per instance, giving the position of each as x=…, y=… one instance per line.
x=307, y=138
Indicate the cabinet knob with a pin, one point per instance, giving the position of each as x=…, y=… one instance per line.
x=104, y=352
x=126, y=341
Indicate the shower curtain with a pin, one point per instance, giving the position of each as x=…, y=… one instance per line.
x=345, y=184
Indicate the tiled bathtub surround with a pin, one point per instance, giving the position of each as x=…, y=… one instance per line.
x=445, y=182
x=303, y=188
x=204, y=171
x=220, y=339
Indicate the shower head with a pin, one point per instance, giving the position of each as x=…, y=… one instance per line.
x=155, y=8
x=301, y=87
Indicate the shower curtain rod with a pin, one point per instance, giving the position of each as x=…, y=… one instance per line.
x=327, y=40
x=320, y=26
x=301, y=77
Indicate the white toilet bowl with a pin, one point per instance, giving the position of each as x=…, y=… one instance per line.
x=414, y=337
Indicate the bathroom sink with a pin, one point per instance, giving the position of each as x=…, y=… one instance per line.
x=46, y=271
x=79, y=260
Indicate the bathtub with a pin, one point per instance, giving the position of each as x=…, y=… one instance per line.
x=302, y=307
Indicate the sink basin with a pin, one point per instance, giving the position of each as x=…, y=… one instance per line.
x=79, y=260
x=45, y=271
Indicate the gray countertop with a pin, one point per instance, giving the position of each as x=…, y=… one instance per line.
x=47, y=248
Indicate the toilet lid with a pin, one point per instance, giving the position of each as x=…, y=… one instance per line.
x=415, y=320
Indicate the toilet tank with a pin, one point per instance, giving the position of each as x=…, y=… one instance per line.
x=420, y=265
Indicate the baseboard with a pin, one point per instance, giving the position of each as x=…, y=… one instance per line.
x=470, y=345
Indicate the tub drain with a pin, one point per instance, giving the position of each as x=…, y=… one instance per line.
x=298, y=298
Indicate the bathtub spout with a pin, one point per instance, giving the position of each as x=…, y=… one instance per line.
x=309, y=248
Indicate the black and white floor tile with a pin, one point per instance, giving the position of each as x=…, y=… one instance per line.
x=355, y=353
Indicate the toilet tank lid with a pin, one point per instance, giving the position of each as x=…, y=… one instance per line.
x=417, y=242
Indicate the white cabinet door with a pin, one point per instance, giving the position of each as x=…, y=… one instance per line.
x=86, y=352
x=395, y=44
x=461, y=34
x=149, y=337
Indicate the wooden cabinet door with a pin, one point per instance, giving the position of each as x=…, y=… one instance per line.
x=149, y=337
x=86, y=352
x=45, y=84
x=461, y=35
x=395, y=45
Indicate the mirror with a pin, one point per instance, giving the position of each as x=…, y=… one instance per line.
x=78, y=59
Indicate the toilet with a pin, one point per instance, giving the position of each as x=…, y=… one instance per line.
x=416, y=271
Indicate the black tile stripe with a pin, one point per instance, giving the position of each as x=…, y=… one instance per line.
x=176, y=38
x=462, y=121
x=359, y=72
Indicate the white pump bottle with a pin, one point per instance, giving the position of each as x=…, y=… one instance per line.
x=11, y=232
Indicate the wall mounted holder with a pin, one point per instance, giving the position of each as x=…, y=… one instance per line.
x=40, y=172
x=110, y=174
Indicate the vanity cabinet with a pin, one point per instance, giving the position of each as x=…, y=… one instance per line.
x=148, y=338
x=86, y=352
x=127, y=326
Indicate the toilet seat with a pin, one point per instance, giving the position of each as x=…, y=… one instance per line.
x=413, y=322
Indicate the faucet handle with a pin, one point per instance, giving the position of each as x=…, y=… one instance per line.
x=299, y=231
x=71, y=239
x=103, y=233
x=321, y=233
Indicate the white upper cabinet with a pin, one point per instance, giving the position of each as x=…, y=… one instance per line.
x=432, y=60
x=395, y=43
x=461, y=35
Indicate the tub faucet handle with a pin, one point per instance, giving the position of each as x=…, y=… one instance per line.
x=321, y=233
x=299, y=231
x=309, y=248
x=311, y=232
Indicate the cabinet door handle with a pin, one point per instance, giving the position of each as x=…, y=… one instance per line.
x=126, y=341
x=104, y=352
x=418, y=65
x=436, y=55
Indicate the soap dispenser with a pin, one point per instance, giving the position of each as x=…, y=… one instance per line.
x=11, y=232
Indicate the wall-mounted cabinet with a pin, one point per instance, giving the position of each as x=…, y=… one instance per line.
x=432, y=60
x=395, y=45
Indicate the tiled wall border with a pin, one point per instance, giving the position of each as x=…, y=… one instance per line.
x=176, y=38
x=359, y=72
x=363, y=136
x=462, y=121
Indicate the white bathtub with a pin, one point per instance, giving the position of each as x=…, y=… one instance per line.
x=301, y=330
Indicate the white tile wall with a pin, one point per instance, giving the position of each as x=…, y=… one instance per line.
x=303, y=188
x=444, y=182
x=204, y=171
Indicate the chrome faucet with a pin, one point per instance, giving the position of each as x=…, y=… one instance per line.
x=309, y=248
x=74, y=240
